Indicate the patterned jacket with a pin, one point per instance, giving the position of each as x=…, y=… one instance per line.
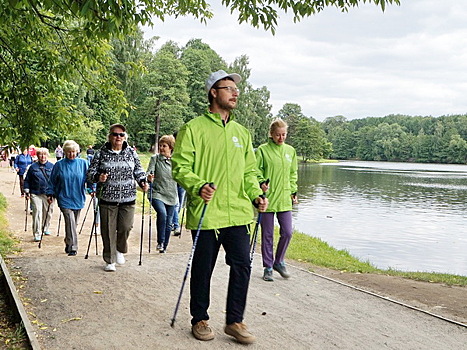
x=123, y=169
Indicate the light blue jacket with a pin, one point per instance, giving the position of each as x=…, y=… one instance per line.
x=67, y=183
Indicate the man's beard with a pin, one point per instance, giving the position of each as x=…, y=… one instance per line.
x=227, y=105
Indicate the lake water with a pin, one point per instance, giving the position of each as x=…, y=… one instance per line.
x=410, y=217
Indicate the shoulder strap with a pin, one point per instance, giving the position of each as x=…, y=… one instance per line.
x=44, y=172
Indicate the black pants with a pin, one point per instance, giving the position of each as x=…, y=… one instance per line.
x=236, y=243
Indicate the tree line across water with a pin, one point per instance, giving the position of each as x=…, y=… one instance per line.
x=399, y=138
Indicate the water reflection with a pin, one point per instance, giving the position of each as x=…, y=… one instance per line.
x=399, y=215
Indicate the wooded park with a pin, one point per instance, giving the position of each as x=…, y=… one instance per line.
x=71, y=68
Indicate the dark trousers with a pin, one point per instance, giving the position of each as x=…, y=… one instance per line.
x=116, y=224
x=236, y=243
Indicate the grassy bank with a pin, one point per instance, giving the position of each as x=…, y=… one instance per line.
x=7, y=243
x=12, y=335
x=317, y=252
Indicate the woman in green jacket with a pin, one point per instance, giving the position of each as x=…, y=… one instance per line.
x=277, y=162
x=164, y=196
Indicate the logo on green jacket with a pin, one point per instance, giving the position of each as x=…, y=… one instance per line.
x=236, y=143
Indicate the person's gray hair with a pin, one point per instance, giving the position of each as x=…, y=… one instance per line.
x=70, y=145
x=42, y=150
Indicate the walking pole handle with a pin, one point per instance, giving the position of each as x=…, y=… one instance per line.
x=255, y=233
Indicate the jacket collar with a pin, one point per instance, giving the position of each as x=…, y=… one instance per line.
x=271, y=141
x=216, y=117
x=108, y=146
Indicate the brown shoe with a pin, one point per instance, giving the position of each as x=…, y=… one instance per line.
x=202, y=331
x=240, y=332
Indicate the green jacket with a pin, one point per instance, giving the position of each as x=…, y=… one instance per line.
x=278, y=163
x=207, y=151
x=164, y=187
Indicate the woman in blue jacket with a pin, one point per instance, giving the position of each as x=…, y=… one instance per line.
x=67, y=184
x=35, y=188
x=22, y=162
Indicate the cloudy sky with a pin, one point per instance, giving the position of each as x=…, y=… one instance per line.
x=411, y=59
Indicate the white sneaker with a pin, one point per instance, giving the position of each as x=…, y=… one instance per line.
x=110, y=267
x=120, y=258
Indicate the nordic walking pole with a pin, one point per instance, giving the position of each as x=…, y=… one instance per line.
x=142, y=231
x=93, y=228
x=59, y=221
x=14, y=184
x=43, y=226
x=96, y=212
x=26, y=218
x=85, y=216
x=183, y=215
x=190, y=260
x=255, y=234
x=150, y=215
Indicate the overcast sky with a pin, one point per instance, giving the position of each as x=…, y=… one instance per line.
x=411, y=59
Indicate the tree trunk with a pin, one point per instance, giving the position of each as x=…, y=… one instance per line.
x=157, y=127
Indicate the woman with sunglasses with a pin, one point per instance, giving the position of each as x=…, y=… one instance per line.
x=116, y=169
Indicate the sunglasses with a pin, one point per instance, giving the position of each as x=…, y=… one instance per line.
x=121, y=134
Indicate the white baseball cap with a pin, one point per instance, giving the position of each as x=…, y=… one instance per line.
x=220, y=74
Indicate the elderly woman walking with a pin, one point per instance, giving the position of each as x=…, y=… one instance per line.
x=35, y=188
x=116, y=168
x=67, y=184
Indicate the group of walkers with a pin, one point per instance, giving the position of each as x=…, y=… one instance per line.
x=213, y=161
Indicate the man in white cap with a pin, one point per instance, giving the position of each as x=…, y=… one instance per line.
x=214, y=161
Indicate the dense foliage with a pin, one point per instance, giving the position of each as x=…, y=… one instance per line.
x=70, y=68
x=399, y=138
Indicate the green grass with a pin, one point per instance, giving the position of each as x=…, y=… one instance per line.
x=317, y=161
x=12, y=335
x=313, y=250
x=7, y=242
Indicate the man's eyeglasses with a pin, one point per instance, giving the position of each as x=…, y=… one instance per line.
x=230, y=89
x=121, y=134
